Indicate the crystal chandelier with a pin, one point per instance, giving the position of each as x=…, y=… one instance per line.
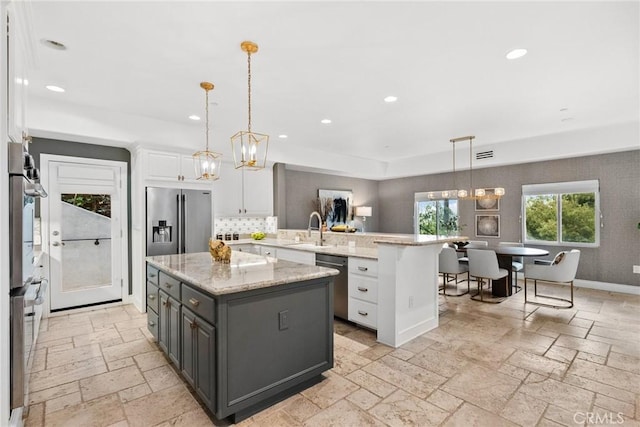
x=207, y=163
x=471, y=193
x=249, y=148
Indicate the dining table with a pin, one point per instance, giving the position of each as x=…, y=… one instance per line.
x=502, y=287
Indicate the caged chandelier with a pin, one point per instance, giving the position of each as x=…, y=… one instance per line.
x=471, y=193
x=249, y=148
x=207, y=163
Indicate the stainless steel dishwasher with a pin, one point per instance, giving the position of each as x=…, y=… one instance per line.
x=340, y=282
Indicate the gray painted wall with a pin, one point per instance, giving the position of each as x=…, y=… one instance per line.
x=302, y=187
x=392, y=201
x=619, y=175
x=90, y=151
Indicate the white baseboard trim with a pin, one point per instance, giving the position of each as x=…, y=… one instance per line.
x=609, y=287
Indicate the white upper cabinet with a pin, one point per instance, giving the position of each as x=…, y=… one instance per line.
x=168, y=166
x=18, y=59
x=243, y=193
x=258, y=192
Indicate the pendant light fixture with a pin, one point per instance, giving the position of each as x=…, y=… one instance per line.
x=207, y=163
x=249, y=148
x=471, y=193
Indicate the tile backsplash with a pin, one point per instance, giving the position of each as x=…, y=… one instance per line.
x=244, y=225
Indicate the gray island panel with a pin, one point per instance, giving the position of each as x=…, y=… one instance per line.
x=253, y=332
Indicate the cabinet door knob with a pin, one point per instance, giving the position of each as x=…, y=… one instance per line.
x=193, y=324
x=168, y=285
x=165, y=303
x=361, y=289
x=152, y=324
x=194, y=302
x=152, y=275
x=362, y=268
x=362, y=313
x=151, y=297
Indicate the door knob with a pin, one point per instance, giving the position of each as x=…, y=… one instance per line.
x=56, y=243
x=55, y=233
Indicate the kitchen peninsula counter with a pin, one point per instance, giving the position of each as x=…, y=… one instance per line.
x=246, y=334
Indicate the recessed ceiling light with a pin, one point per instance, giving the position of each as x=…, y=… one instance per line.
x=194, y=117
x=283, y=136
x=390, y=98
x=22, y=81
x=516, y=53
x=325, y=121
x=53, y=88
x=53, y=44
x=566, y=119
x=564, y=109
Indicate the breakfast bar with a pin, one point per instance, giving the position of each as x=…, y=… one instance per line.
x=243, y=334
x=408, y=287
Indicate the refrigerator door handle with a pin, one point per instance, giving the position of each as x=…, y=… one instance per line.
x=180, y=221
x=183, y=228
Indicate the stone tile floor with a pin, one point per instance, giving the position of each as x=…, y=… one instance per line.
x=485, y=365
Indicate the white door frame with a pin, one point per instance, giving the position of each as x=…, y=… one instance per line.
x=44, y=216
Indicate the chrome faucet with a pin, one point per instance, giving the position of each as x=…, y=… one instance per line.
x=314, y=213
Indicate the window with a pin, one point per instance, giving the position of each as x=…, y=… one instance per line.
x=562, y=213
x=435, y=217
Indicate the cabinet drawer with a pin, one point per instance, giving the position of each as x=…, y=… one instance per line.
x=268, y=251
x=201, y=304
x=152, y=297
x=169, y=284
x=152, y=274
x=367, y=267
x=363, y=313
x=152, y=323
x=363, y=288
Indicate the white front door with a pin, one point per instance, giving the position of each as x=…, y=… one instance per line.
x=85, y=217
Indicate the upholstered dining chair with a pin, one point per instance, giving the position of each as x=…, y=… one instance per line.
x=473, y=244
x=483, y=265
x=449, y=266
x=561, y=270
x=517, y=264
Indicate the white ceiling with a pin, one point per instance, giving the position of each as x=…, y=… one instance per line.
x=132, y=72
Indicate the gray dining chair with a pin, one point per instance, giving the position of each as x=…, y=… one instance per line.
x=561, y=270
x=517, y=264
x=483, y=265
x=449, y=266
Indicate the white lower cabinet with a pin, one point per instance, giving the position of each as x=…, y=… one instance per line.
x=363, y=292
x=252, y=249
x=268, y=251
x=298, y=256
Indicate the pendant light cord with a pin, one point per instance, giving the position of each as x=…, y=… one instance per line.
x=471, y=190
x=206, y=109
x=249, y=87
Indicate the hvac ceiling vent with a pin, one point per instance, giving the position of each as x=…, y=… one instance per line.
x=482, y=155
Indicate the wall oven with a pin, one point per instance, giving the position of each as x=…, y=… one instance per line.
x=26, y=292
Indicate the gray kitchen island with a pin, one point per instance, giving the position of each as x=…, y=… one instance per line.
x=246, y=334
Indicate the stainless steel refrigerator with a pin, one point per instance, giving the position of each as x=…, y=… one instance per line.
x=178, y=221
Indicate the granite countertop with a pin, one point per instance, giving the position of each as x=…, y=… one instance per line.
x=245, y=272
x=420, y=240
x=359, y=252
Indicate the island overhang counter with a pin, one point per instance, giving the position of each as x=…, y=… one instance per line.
x=244, y=334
